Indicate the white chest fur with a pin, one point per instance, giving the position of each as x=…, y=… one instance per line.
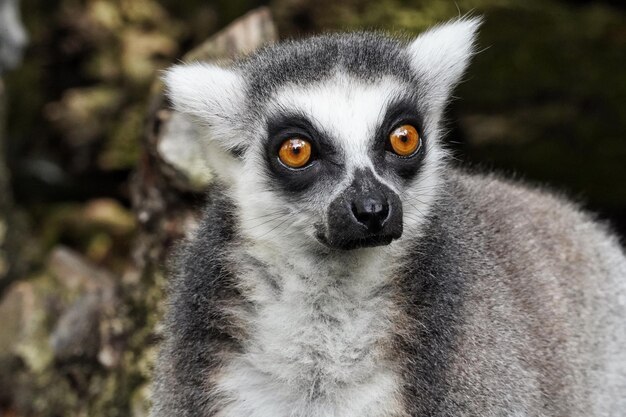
x=318, y=341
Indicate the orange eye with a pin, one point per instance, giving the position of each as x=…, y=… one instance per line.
x=295, y=152
x=404, y=140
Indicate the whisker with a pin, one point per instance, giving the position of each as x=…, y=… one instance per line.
x=265, y=222
x=274, y=228
x=278, y=212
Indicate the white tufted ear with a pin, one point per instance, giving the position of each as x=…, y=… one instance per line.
x=440, y=55
x=212, y=95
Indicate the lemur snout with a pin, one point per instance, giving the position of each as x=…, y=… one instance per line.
x=366, y=213
x=371, y=210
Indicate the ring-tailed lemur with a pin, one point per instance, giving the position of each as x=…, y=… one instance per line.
x=344, y=268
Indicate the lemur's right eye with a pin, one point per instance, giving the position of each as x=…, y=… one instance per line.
x=404, y=140
x=295, y=152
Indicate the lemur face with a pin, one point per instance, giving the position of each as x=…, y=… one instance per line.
x=332, y=142
x=344, y=150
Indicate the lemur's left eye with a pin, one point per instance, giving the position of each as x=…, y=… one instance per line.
x=295, y=152
x=404, y=140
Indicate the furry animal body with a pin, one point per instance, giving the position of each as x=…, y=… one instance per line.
x=374, y=278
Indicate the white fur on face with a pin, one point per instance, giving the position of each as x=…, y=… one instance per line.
x=349, y=111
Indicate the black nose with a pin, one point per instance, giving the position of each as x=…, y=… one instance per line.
x=371, y=211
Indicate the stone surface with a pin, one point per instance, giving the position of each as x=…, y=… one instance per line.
x=180, y=147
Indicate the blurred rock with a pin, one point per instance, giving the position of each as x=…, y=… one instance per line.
x=101, y=229
x=78, y=275
x=180, y=147
x=81, y=113
x=140, y=406
x=110, y=214
x=76, y=335
x=139, y=49
x=55, y=327
x=13, y=37
x=244, y=35
x=14, y=310
x=24, y=314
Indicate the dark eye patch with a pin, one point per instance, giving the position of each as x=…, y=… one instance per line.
x=400, y=112
x=325, y=158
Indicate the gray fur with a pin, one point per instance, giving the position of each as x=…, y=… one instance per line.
x=497, y=300
x=529, y=320
x=365, y=55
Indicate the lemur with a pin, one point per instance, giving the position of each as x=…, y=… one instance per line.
x=345, y=267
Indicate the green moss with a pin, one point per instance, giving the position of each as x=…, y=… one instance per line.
x=121, y=149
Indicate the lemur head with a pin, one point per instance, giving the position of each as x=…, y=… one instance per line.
x=332, y=142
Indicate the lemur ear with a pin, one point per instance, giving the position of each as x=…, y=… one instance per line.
x=212, y=95
x=440, y=55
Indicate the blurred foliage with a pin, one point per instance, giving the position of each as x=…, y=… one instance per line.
x=545, y=98
x=79, y=100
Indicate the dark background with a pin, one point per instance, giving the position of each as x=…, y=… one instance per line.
x=545, y=101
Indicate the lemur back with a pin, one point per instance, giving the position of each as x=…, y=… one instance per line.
x=345, y=268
